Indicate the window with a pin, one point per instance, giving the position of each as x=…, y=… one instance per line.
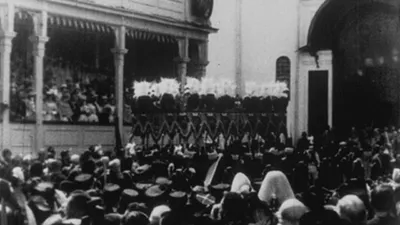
x=283, y=69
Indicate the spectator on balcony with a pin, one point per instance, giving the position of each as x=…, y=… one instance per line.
x=50, y=109
x=29, y=101
x=65, y=109
x=84, y=113
x=92, y=116
x=17, y=104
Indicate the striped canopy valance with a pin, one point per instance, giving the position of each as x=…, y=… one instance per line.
x=76, y=23
x=146, y=35
x=67, y=22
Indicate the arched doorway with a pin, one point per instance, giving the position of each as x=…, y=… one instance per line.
x=364, y=39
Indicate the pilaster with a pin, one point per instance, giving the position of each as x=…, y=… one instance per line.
x=182, y=60
x=202, y=63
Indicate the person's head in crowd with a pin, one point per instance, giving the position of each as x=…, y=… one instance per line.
x=77, y=205
x=115, y=166
x=112, y=219
x=36, y=169
x=26, y=163
x=290, y=212
x=18, y=177
x=88, y=166
x=42, y=155
x=322, y=217
x=234, y=207
x=105, y=160
x=352, y=209
x=135, y=218
x=65, y=157
x=138, y=206
x=16, y=160
x=275, y=186
x=75, y=159
x=51, y=152
x=241, y=184
x=85, y=156
x=7, y=155
x=54, y=165
x=382, y=198
x=157, y=213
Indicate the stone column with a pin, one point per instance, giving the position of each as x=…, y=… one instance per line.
x=182, y=60
x=202, y=63
x=119, y=52
x=6, y=35
x=39, y=40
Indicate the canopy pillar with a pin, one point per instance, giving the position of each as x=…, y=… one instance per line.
x=119, y=52
x=39, y=39
x=6, y=36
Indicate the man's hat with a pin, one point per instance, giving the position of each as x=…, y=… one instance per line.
x=67, y=186
x=111, y=194
x=156, y=191
x=177, y=199
x=142, y=187
x=163, y=181
x=84, y=181
x=128, y=196
x=218, y=190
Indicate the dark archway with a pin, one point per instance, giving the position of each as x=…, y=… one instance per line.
x=364, y=39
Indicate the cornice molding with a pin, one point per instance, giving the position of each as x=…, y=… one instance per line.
x=117, y=17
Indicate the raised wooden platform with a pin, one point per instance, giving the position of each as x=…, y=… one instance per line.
x=76, y=137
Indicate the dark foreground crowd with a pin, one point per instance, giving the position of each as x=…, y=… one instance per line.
x=319, y=181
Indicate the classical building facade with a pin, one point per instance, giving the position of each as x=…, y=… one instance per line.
x=320, y=47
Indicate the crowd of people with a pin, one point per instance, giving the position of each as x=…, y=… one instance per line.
x=321, y=181
x=66, y=101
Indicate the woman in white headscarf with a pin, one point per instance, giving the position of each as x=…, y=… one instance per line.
x=275, y=187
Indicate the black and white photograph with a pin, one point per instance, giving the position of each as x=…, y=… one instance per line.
x=200, y=112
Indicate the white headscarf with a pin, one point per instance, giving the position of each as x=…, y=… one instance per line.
x=241, y=184
x=275, y=185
